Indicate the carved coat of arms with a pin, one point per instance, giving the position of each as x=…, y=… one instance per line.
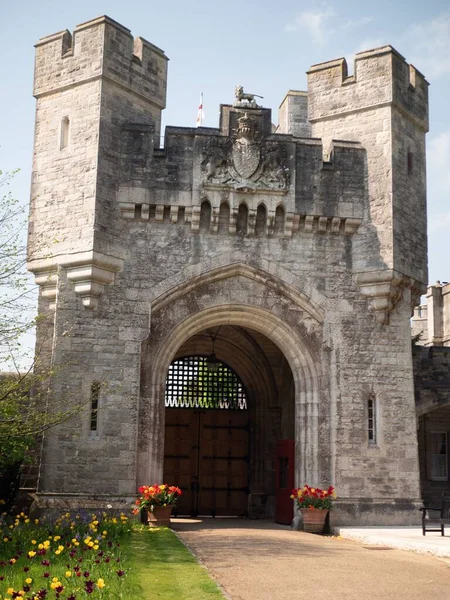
x=246, y=153
x=244, y=160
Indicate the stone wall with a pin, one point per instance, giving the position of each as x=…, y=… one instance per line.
x=233, y=226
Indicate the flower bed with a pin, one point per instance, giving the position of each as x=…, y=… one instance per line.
x=72, y=558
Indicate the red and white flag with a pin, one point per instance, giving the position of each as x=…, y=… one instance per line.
x=200, y=113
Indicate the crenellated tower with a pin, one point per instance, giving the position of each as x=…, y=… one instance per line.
x=87, y=85
x=384, y=106
x=263, y=250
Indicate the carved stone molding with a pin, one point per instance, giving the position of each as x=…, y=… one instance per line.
x=89, y=271
x=384, y=289
x=294, y=222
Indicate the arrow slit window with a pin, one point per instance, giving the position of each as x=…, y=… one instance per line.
x=64, y=133
x=372, y=420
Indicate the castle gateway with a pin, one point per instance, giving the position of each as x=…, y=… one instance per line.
x=232, y=308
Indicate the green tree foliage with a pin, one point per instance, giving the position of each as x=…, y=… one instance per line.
x=15, y=321
x=15, y=288
x=24, y=389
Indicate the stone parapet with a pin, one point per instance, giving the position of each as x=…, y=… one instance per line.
x=382, y=77
x=100, y=48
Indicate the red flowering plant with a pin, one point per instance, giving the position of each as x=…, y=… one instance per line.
x=314, y=498
x=156, y=495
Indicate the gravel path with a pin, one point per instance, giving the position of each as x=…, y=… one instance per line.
x=257, y=560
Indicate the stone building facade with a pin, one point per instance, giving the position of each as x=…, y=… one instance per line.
x=292, y=257
x=430, y=326
x=431, y=321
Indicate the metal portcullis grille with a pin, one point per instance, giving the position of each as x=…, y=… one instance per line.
x=191, y=383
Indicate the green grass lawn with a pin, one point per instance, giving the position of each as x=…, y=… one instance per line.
x=103, y=557
x=164, y=569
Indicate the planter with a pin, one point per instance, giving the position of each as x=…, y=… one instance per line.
x=314, y=520
x=159, y=517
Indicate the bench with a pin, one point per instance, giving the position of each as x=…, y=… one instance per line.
x=436, y=522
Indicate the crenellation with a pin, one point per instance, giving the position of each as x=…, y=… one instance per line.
x=100, y=48
x=382, y=76
x=293, y=115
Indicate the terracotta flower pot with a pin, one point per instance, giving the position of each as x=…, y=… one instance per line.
x=314, y=520
x=159, y=517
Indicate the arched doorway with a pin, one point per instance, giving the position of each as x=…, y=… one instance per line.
x=292, y=326
x=229, y=402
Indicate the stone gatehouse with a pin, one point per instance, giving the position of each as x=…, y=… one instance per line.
x=232, y=308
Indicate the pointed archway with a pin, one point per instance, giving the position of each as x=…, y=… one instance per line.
x=229, y=400
x=159, y=353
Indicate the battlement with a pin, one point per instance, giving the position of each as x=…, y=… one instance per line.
x=100, y=48
x=293, y=114
x=382, y=77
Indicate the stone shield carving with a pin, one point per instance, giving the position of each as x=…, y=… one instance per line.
x=246, y=158
x=246, y=154
x=244, y=161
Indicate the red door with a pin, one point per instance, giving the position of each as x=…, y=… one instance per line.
x=284, y=512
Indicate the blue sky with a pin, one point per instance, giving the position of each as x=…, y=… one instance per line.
x=264, y=45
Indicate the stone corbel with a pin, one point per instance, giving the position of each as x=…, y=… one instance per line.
x=89, y=271
x=383, y=289
x=47, y=280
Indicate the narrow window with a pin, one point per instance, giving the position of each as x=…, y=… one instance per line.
x=439, y=456
x=224, y=217
x=64, y=134
x=205, y=215
x=279, y=220
x=166, y=214
x=261, y=220
x=372, y=420
x=242, y=220
x=181, y=214
x=410, y=162
x=95, y=395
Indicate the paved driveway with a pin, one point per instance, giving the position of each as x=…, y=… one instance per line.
x=257, y=560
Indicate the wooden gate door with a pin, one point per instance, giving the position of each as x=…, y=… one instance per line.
x=223, y=468
x=206, y=455
x=181, y=456
x=284, y=511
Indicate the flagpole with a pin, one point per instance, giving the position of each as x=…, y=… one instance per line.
x=200, y=114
